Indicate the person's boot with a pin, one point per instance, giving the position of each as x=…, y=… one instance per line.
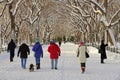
x=83, y=69
x=38, y=66
x=102, y=61
x=11, y=59
x=55, y=68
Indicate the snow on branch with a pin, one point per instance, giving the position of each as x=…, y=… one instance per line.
x=114, y=17
x=97, y=11
x=101, y=10
x=16, y=7
x=80, y=11
x=104, y=20
x=2, y=11
x=9, y=2
x=30, y=19
x=117, y=21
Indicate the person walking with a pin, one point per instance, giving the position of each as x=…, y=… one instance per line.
x=23, y=51
x=59, y=42
x=37, y=48
x=54, y=51
x=11, y=48
x=103, y=51
x=81, y=55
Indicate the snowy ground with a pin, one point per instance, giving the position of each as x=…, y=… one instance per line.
x=68, y=66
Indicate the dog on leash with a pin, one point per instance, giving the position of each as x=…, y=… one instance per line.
x=31, y=68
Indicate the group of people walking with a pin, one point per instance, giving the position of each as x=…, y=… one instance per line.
x=54, y=51
x=24, y=51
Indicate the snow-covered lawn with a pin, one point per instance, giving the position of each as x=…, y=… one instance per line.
x=68, y=66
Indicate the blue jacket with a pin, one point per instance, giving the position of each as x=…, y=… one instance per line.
x=37, y=48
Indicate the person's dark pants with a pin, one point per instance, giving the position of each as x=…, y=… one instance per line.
x=11, y=57
x=83, y=65
x=102, y=60
x=37, y=59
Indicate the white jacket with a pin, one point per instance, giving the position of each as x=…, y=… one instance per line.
x=82, y=56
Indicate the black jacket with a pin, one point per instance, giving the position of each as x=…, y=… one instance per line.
x=103, y=50
x=11, y=47
x=24, y=51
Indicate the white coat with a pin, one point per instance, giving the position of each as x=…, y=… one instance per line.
x=82, y=56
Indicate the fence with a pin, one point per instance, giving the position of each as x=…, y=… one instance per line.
x=109, y=48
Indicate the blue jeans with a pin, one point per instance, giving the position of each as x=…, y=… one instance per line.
x=23, y=62
x=37, y=59
x=54, y=63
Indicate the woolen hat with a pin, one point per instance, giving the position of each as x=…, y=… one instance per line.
x=82, y=43
x=52, y=41
x=37, y=40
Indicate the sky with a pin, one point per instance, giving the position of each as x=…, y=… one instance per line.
x=68, y=66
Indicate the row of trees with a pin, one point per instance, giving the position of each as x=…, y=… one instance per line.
x=88, y=20
x=96, y=20
x=30, y=19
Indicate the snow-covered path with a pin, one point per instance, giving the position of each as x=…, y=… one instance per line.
x=68, y=67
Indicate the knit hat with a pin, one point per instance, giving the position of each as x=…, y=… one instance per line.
x=37, y=40
x=82, y=43
x=52, y=41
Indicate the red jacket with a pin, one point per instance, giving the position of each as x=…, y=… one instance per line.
x=54, y=51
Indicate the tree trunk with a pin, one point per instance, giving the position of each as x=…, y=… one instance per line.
x=0, y=40
x=12, y=22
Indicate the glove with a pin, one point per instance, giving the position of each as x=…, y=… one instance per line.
x=59, y=54
x=41, y=55
x=77, y=55
x=106, y=44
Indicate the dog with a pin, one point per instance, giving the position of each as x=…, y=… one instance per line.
x=31, y=68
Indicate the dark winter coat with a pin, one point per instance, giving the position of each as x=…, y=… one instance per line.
x=54, y=51
x=11, y=47
x=103, y=51
x=37, y=48
x=24, y=51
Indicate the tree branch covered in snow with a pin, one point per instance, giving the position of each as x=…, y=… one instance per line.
x=78, y=8
x=5, y=4
x=33, y=20
x=110, y=23
x=116, y=22
x=2, y=11
x=86, y=16
x=17, y=6
x=100, y=10
x=37, y=14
